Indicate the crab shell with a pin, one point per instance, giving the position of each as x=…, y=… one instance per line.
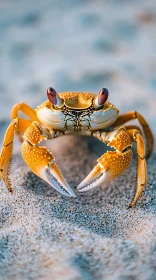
x=78, y=112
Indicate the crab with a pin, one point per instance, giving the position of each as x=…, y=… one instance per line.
x=77, y=113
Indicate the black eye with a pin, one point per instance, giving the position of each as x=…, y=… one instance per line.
x=103, y=96
x=51, y=94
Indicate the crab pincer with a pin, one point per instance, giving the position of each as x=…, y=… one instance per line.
x=112, y=163
x=41, y=161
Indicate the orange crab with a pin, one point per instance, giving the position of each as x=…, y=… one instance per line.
x=77, y=113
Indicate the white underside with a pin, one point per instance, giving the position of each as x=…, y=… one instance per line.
x=55, y=119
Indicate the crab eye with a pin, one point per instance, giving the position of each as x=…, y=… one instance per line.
x=54, y=97
x=51, y=94
x=101, y=97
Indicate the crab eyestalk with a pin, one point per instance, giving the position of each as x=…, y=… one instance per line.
x=54, y=98
x=101, y=97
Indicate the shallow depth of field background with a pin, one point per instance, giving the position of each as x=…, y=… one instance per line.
x=77, y=45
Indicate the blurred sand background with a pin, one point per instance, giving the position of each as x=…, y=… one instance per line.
x=77, y=46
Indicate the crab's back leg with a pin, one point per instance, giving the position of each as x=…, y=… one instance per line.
x=129, y=127
x=141, y=169
x=122, y=119
x=26, y=110
x=40, y=160
x=112, y=163
x=6, y=152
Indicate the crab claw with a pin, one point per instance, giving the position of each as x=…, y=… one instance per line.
x=52, y=175
x=42, y=163
x=109, y=166
x=94, y=179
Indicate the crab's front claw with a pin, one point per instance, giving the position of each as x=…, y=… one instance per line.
x=42, y=163
x=109, y=166
x=94, y=179
x=52, y=175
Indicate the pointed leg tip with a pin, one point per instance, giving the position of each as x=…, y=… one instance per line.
x=131, y=205
x=10, y=190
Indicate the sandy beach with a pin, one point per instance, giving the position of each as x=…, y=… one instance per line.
x=77, y=46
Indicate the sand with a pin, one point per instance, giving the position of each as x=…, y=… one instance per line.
x=82, y=45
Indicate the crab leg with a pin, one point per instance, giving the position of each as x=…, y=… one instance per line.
x=112, y=163
x=129, y=127
x=25, y=109
x=6, y=152
x=41, y=161
x=141, y=170
x=122, y=119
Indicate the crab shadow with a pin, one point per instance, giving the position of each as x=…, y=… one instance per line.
x=95, y=210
